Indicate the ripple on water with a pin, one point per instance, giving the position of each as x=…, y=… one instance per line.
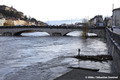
x=39, y=56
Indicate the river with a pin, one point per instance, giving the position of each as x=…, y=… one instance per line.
x=35, y=56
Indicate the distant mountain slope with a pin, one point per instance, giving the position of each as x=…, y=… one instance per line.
x=58, y=22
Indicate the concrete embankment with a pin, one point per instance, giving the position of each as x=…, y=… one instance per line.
x=113, y=43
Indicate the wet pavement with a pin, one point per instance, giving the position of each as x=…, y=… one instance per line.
x=79, y=74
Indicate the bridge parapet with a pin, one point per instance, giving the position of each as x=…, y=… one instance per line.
x=114, y=36
x=113, y=43
x=52, y=30
x=57, y=27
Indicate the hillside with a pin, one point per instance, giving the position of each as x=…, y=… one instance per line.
x=12, y=13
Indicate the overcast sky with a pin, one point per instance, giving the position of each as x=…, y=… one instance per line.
x=63, y=9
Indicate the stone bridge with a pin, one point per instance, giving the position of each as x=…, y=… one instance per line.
x=52, y=30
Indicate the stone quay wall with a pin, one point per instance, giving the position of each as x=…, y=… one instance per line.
x=113, y=43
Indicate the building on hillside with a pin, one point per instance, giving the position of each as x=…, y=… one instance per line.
x=97, y=21
x=91, y=22
x=32, y=23
x=3, y=7
x=9, y=22
x=108, y=21
x=109, y=24
x=20, y=23
x=21, y=14
x=64, y=24
x=79, y=24
x=2, y=20
x=116, y=17
x=1, y=15
x=40, y=23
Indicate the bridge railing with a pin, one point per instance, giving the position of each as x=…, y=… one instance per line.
x=52, y=27
x=114, y=36
x=55, y=27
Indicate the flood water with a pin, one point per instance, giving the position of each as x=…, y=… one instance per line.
x=37, y=57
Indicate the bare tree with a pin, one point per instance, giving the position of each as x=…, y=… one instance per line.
x=85, y=27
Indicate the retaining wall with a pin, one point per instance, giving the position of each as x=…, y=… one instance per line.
x=113, y=43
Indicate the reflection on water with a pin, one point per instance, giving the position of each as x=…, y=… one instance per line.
x=47, y=55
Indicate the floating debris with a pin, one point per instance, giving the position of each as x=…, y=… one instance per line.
x=95, y=58
x=84, y=68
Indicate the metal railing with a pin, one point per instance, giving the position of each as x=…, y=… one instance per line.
x=114, y=36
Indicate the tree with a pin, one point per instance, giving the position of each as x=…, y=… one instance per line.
x=34, y=20
x=85, y=27
x=25, y=17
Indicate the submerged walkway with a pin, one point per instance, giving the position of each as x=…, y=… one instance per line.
x=78, y=74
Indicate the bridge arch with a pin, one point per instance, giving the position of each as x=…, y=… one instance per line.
x=70, y=32
x=24, y=31
x=7, y=34
x=56, y=34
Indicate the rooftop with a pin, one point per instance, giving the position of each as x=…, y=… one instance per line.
x=116, y=9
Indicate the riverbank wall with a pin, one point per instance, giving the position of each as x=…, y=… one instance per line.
x=113, y=43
